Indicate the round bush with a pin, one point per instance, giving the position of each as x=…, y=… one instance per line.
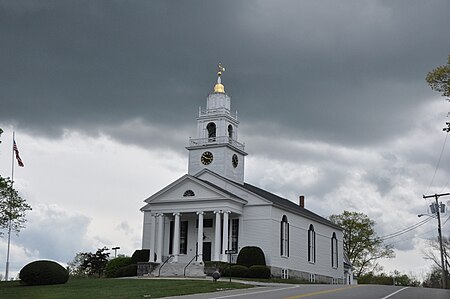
x=236, y=271
x=43, y=272
x=127, y=271
x=258, y=271
x=113, y=265
x=251, y=255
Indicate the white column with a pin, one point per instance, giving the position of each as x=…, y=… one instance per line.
x=176, y=238
x=159, y=247
x=200, y=237
x=217, y=237
x=152, y=239
x=225, y=236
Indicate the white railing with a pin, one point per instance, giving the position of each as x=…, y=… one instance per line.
x=216, y=140
x=203, y=112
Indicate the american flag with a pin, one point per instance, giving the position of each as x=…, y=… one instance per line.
x=16, y=151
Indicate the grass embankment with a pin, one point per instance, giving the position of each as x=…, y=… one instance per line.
x=113, y=289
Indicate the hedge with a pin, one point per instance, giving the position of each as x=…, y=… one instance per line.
x=140, y=256
x=236, y=271
x=127, y=271
x=251, y=255
x=43, y=272
x=259, y=271
x=113, y=265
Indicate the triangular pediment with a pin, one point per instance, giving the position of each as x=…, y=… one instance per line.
x=233, y=187
x=190, y=189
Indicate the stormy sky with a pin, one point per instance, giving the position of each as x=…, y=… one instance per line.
x=331, y=96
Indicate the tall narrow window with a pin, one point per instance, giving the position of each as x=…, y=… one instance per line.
x=171, y=232
x=311, y=244
x=234, y=234
x=183, y=237
x=284, y=236
x=334, y=251
x=211, y=127
x=230, y=131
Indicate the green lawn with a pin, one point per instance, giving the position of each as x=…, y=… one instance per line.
x=113, y=289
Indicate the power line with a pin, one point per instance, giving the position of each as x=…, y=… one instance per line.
x=445, y=186
x=439, y=161
x=420, y=235
x=405, y=230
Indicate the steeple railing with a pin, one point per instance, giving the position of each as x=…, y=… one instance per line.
x=216, y=140
x=222, y=110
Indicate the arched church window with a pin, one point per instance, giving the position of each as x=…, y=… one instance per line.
x=188, y=193
x=334, y=251
x=284, y=237
x=211, y=127
x=230, y=131
x=311, y=244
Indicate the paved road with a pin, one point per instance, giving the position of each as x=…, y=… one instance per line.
x=327, y=292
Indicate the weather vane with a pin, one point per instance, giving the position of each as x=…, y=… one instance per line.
x=221, y=69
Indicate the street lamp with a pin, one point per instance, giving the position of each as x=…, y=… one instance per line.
x=115, y=250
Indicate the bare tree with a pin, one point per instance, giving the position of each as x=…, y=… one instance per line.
x=433, y=252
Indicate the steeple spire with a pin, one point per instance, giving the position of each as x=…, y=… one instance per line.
x=219, y=86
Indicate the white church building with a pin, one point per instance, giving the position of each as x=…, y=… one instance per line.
x=211, y=212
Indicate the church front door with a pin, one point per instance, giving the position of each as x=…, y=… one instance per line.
x=206, y=251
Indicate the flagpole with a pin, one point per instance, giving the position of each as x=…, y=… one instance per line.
x=9, y=220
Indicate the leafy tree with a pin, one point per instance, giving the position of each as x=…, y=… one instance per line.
x=439, y=79
x=88, y=263
x=361, y=243
x=94, y=263
x=12, y=207
x=75, y=266
x=434, y=278
x=395, y=278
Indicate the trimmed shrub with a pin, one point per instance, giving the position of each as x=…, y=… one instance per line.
x=236, y=271
x=140, y=256
x=127, y=271
x=43, y=272
x=251, y=255
x=113, y=265
x=259, y=271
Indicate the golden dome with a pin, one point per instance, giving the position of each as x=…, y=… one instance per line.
x=219, y=88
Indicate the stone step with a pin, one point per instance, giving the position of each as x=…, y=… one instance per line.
x=177, y=270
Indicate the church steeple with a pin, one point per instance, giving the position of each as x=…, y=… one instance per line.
x=216, y=146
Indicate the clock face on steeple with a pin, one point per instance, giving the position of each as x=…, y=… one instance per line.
x=235, y=160
x=207, y=158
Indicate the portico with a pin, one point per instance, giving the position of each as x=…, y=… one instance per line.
x=169, y=238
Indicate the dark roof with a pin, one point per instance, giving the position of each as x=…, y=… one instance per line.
x=276, y=200
x=289, y=205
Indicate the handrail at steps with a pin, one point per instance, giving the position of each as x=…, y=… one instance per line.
x=159, y=271
x=184, y=271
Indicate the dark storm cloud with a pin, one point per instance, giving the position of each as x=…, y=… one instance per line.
x=346, y=72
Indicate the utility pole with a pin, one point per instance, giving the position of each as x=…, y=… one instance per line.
x=444, y=272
